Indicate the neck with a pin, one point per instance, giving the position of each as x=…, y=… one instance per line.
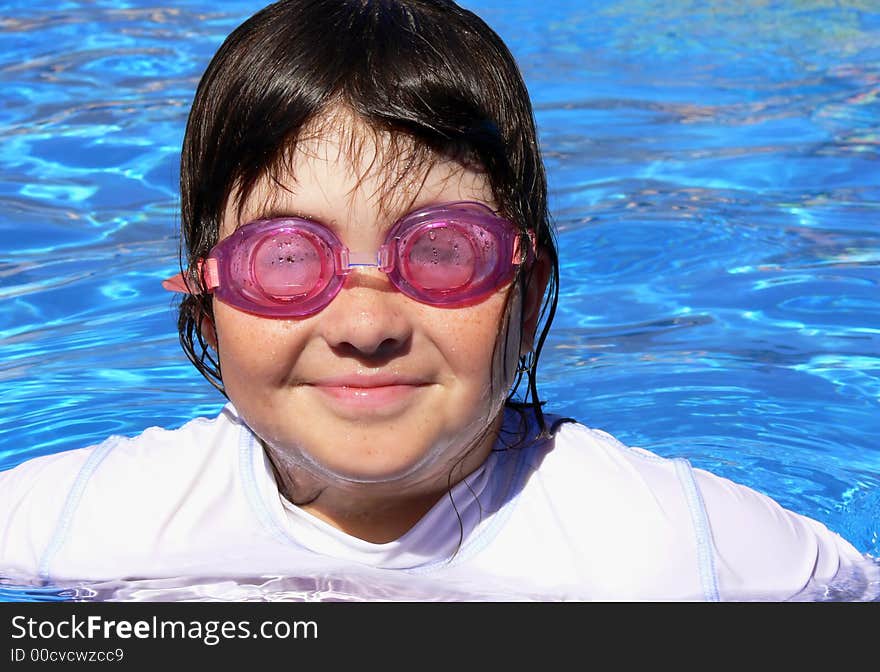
x=380, y=512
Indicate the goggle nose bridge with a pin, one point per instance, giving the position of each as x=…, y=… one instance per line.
x=345, y=259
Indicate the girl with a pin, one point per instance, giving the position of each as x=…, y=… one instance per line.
x=370, y=273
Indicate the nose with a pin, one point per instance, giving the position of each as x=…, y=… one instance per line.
x=367, y=319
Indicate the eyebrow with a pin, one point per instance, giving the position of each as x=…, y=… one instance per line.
x=275, y=212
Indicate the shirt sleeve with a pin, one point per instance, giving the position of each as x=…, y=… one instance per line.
x=764, y=551
x=33, y=496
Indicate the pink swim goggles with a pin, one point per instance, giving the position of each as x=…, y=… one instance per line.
x=449, y=255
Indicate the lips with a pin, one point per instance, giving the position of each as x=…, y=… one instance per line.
x=369, y=381
x=378, y=393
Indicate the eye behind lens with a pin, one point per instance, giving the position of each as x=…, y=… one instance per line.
x=289, y=265
x=439, y=257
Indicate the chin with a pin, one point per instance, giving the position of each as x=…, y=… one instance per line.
x=365, y=474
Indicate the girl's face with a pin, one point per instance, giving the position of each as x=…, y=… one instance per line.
x=376, y=387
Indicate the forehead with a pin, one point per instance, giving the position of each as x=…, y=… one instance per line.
x=340, y=167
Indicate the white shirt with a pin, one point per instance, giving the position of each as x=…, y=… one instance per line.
x=576, y=517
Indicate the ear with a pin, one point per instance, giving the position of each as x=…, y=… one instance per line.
x=209, y=334
x=536, y=279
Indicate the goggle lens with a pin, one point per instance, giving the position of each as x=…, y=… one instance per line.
x=288, y=266
x=438, y=258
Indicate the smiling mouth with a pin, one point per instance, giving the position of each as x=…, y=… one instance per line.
x=363, y=396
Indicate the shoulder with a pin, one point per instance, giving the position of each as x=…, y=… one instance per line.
x=153, y=450
x=39, y=497
x=739, y=542
x=33, y=496
x=613, y=485
x=764, y=550
x=602, y=520
x=160, y=453
x=594, y=456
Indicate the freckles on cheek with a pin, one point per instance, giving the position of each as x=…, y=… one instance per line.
x=253, y=352
x=470, y=341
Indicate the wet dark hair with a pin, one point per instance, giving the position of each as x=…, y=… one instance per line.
x=426, y=71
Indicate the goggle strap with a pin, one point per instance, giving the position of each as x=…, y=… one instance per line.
x=176, y=283
x=210, y=276
x=209, y=272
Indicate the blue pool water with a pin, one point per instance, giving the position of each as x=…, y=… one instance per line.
x=715, y=182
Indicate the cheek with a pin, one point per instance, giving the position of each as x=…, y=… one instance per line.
x=254, y=351
x=477, y=344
